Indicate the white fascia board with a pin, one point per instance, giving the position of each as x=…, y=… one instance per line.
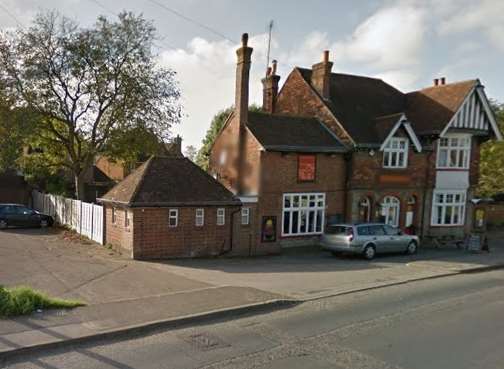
x=489, y=113
x=409, y=130
x=447, y=127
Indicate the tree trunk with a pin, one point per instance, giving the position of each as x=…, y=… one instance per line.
x=79, y=186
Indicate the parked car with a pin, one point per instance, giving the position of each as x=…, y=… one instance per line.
x=367, y=239
x=17, y=215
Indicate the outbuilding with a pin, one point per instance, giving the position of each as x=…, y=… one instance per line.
x=170, y=208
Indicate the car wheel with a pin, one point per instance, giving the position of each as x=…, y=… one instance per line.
x=44, y=223
x=412, y=248
x=369, y=252
x=3, y=224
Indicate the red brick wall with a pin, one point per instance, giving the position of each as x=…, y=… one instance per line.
x=228, y=172
x=154, y=239
x=368, y=172
x=116, y=234
x=298, y=98
x=280, y=175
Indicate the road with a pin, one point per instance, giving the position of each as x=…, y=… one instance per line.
x=452, y=322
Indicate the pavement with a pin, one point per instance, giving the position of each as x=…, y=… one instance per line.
x=128, y=296
x=448, y=323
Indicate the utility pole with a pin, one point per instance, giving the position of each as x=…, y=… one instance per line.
x=270, y=29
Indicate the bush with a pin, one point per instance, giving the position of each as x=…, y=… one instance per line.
x=24, y=300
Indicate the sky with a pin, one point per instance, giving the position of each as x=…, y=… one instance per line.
x=406, y=43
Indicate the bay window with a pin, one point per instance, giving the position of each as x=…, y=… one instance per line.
x=395, y=153
x=448, y=208
x=303, y=214
x=454, y=152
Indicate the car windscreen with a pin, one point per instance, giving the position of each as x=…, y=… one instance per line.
x=339, y=230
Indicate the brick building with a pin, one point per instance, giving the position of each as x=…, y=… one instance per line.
x=338, y=147
x=169, y=207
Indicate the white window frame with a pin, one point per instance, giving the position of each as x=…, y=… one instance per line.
x=172, y=214
x=317, y=198
x=221, y=216
x=391, y=202
x=459, y=145
x=393, y=149
x=200, y=217
x=448, y=200
x=245, y=216
x=114, y=216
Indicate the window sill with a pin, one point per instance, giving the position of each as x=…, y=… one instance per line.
x=301, y=235
x=447, y=225
x=453, y=169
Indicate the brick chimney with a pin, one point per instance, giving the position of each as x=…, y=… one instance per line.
x=270, y=88
x=321, y=76
x=243, y=54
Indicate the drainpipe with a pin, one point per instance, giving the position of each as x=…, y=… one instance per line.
x=424, y=200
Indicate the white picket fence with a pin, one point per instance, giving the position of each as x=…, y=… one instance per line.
x=84, y=218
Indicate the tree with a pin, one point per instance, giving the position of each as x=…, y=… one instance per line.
x=87, y=86
x=492, y=159
x=216, y=124
x=190, y=153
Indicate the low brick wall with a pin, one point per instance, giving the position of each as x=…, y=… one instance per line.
x=495, y=214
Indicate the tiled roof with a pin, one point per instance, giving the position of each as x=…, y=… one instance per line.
x=289, y=133
x=432, y=108
x=383, y=125
x=358, y=102
x=169, y=181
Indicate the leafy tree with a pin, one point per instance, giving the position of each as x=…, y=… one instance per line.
x=11, y=134
x=216, y=124
x=191, y=152
x=492, y=159
x=87, y=87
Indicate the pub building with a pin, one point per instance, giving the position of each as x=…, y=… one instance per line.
x=331, y=147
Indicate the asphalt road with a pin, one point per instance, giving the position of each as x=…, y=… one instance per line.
x=452, y=322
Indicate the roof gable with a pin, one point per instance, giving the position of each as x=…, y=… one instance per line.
x=398, y=120
x=169, y=181
x=432, y=108
x=474, y=114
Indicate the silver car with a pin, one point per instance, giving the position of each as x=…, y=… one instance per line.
x=367, y=239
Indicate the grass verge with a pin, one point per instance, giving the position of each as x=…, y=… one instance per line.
x=24, y=300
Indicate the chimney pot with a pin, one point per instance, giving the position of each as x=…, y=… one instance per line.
x=443, y=81
x=274, y=69
x=268, y=71
x=244, y=39
x=436, y=81
x=325, y=57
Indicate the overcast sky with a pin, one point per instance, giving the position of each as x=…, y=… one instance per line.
x=407, y=43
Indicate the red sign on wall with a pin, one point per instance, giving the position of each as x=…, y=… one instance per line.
x=306, y=168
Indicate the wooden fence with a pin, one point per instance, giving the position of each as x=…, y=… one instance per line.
x=84, y=218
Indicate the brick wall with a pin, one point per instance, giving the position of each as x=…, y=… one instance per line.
x=154, y=239
x=298, y=98
x=227, y=172
x=116, y=233
x=279, y=175
x=495, y=214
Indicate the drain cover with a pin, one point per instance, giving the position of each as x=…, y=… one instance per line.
x=205, y=341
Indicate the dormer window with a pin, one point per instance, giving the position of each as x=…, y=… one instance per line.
x=395, y=153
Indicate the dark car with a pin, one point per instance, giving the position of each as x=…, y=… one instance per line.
x=16, y=215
